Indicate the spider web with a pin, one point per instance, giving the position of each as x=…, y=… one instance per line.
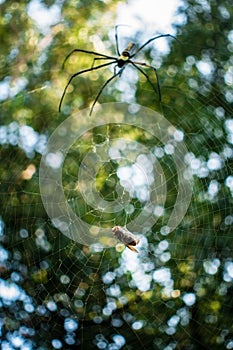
x=93, y=296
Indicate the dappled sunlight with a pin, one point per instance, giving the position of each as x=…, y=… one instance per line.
x=116, y=223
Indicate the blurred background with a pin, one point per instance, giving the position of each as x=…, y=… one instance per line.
x=177, y=293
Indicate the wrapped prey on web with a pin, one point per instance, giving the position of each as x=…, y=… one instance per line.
x=126, y=237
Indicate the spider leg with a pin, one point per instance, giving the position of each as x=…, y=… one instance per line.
x=78, y=73
x=85, y=51
x=116, y=36
x=99, y=58
x=121, y=70
x=147, y=77
x=102, y=88
x=116, y=39
x=152, y=39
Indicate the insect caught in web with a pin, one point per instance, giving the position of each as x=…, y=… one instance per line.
x=126, y=237
x=120, y=62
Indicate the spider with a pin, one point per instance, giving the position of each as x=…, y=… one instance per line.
x=120, y=62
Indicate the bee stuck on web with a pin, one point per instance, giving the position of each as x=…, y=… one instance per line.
x=126, y=237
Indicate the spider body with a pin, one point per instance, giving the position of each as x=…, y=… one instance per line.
x=120, y=62
x=125, y=56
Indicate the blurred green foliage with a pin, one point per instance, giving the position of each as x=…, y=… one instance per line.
x=61, y=280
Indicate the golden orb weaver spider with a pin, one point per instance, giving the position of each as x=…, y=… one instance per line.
x=120, y=62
